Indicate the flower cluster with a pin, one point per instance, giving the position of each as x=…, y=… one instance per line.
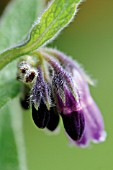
x=54, y=86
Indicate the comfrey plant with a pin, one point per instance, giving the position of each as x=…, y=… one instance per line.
x=53, y=84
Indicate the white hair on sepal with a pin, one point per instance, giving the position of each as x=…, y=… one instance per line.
x=87, y=77
x=77, y=82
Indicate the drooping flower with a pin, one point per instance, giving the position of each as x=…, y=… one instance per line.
x=59, y=88
x=94, y=129
x=69, y=107
x=94, y=125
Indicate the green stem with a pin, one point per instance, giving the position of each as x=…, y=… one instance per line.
x=18, y=133
x=10, y=54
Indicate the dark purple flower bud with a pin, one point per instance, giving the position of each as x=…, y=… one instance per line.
x=54, y=119
x=74, y=124
x=24, y=103
x=41, y=116
x=72, y=115
x=85, y=139
x=24, y=99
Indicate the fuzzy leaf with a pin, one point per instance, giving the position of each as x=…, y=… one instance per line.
x=8, y=91
x=17, y=20
x=12, y=149
x=14, y=24
x=8, y=150
x=13, y=27
x=54, y=19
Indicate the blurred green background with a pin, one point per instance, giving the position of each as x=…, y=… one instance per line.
x=89, y=39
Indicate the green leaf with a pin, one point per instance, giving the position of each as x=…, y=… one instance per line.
x=8, y=91
x=54, y=19
x=12, y=149
x=14, y=24
x=17, y=20
x=8, y=150
x=9, y=86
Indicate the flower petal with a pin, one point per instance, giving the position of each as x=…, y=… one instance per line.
x=74, y=124
x=54, y=119
x=95, y=121
x=41, y=116
x=85, y=139
x=24, y=104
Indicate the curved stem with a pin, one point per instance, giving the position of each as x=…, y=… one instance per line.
x=11, y=54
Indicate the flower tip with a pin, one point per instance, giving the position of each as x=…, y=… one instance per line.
x=102, y=137
x=53, y=120
x=74, y=124
x=25, y=104
x=82, y=143
x=55, y=132
x=40, y=116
